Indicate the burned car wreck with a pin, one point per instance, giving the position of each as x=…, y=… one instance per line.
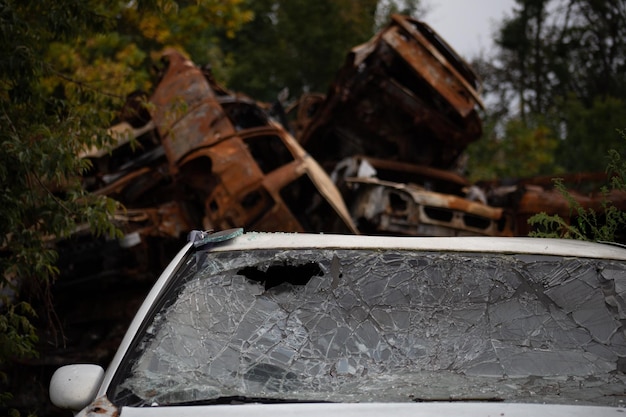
x=223, y=161
x=405, y=95
x=405, y=104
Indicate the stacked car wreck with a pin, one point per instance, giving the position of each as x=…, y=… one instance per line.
x=392, y=131
x=202, y=157
x=223, y=163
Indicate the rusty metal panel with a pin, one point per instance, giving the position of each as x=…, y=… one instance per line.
x=242, y=195
x=526, y=197
x=101, y=407
x=404, y=95
x=234, y=198
x=405, y=172
x=185, y=110
x=454, y=135
x=449, y=87
x=430, y=65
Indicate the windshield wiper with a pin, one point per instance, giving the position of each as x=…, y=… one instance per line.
x=241, y=399
x=459, y=399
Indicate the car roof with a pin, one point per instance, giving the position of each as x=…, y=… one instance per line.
x=481, y=244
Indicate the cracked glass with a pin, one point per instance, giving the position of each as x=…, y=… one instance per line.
x=374, y=325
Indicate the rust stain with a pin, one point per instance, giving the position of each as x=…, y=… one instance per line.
x=101, y=407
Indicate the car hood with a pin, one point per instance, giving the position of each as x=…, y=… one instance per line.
x=438, y=409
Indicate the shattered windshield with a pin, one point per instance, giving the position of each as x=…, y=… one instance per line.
x=368, y=325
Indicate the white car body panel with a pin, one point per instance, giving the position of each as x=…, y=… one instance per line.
x=252, y=241
x=504, y=245
x=377, y=410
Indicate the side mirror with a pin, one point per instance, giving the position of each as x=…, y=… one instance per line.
x=74, y=387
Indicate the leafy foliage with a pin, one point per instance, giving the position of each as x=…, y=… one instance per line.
x=305, y=42
x=562, y=62
x=517, y=151
x=67, y=67
x=607, y=225
x=551, y=48
x=590, y=134
x=41, y=196
x=120, y=61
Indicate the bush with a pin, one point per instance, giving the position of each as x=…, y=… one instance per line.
x=585, y=223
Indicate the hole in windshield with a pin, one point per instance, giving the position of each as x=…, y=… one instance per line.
x=275, y=275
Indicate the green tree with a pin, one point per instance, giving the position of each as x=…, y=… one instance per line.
x=42, y=133
x=120, y=61
x=549, y=49
x=562, y=61
x=587, y=223
x=520, y=41
x=518, y=150
x=385, y=8
x=66, y=69
x=300, y=44
x=590, y=132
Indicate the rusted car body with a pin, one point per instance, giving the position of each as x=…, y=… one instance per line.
x=406, y=103
x=388, y=208
x=395, y=198
x=219, y=161
x=246, y=168
x=524, y=198
x=404, y=95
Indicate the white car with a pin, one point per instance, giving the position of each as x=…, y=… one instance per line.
x=278, y=324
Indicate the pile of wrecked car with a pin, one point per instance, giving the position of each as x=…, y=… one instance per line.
x=381, y=153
